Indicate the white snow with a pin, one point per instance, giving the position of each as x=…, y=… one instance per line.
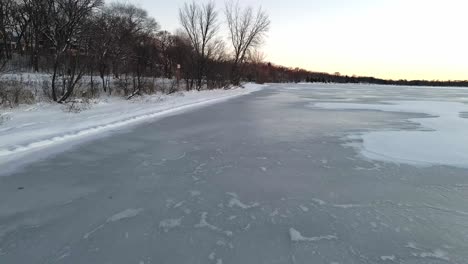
x=169, y=224
x=296, y=236
x=436, y=254
x=128, y=213
x=304, y=208
x=212, y=256
x=204, y=224
x=347, y=206
x=90, y=233
x=318, y=201
x=388, y=258
x=31, y=128
x=412, y=245
x=234, y=201
x=195, y=193
x=442, y=142
x=179, y=204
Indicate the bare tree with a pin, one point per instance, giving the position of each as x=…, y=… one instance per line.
x=256, y=57
x=32, y=17
x=182, y=53
x=6, y=8
x=64, y=27
x=20, y=24
x=165, y=41
x=247, y=30
x=200, y=22
x=132, y=33
x=101, y=44
x=255, y=71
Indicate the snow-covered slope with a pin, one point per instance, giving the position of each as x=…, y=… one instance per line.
x=38, y=126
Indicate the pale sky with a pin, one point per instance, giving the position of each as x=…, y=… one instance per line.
x=408, y=39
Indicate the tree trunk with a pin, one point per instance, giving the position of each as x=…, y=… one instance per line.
x=235, y=74
x=54, y=79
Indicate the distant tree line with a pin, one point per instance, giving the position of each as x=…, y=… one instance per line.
x=336, y=78
x=267, y=72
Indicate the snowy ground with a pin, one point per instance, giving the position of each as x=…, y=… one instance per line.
x=283, y=175
x=35, y=127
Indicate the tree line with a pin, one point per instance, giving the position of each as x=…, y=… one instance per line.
x=119, y=47
x=267, y=72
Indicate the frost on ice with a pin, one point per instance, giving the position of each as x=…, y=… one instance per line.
x=204, y=224
x=129, y=213
x=169, y=224
x=234, y=201
x=436, y=254
x=296, y=236
x=388, y=258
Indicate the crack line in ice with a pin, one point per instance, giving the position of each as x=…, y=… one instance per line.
x=90, y=233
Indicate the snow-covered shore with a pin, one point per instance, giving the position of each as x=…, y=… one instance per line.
x=34, y=127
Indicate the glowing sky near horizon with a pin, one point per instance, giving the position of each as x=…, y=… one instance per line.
x=397, y=39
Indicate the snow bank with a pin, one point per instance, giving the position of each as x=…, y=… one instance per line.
x=442, y=142
x=36, y=127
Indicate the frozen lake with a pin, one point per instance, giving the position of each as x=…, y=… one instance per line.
x=331, y=174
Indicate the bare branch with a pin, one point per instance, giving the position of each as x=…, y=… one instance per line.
x=200, y=23
x=247, y=30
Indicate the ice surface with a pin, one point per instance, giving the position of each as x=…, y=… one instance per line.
x=442, y=142
x=318, y=202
